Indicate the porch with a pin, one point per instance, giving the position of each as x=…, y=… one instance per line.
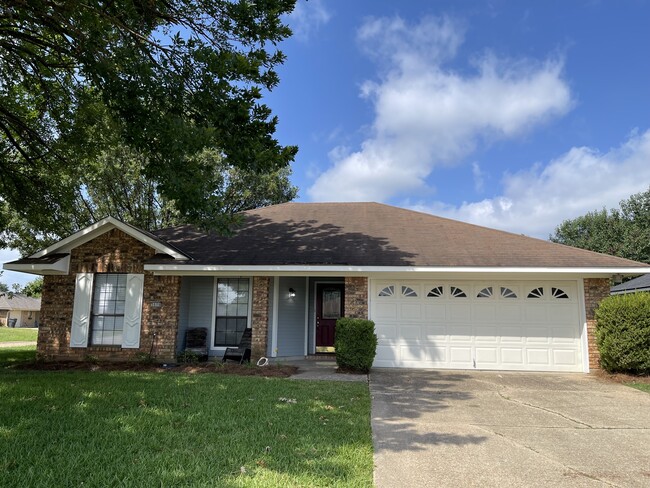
x=291, y=316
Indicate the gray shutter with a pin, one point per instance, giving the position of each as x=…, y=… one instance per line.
x=83, y=295
x=133, y=311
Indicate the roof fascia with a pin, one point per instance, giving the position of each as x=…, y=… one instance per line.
x=186, y=269
x=61, y=267
x=101, y=227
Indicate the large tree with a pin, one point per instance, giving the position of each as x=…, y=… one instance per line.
x=116, y=186
x=623, y=231
x=165, y=79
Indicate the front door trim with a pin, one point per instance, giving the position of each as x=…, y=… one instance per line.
x=312, y=345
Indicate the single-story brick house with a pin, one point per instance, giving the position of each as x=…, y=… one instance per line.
x=443, y=294
x=18, y=310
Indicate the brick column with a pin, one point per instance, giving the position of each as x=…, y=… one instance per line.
x=260, y=321
x=356, y=297
x=595, y=290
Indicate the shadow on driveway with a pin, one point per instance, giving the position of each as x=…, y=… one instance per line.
x=449, y=428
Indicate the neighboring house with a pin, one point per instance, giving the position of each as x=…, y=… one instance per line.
x=443, y=294
x=641, y=283
x=19, y=310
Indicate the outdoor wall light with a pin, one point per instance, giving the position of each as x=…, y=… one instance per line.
x=292, y=293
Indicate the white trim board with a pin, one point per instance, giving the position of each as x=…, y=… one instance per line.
x=265, y=270
x=101, y=227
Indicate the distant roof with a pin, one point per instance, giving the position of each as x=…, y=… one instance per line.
x=18, y=302
x=641, y=283
x=372, y=234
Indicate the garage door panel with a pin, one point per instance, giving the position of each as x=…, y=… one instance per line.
x=508, y=312
x=537, y=335
x=386, y=353
x=512, y=356
x=386, y=332
x=562, y=312
x=562, y=334
x=410, y=311
x=486, y=333
x=459, y=312
x=484, y=312
x=435, y=311
x=462, y=355
x=385, y=311
x=487, y=357
x=565, y=357
x=435, y=332
x=511, y=335
x=410, y=332
x=460, y=333
x=538, y=357
x=536, y=312
x=413, y=353
x=500, y=330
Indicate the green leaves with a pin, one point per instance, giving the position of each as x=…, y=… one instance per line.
x=623, y=232
x=168, y=80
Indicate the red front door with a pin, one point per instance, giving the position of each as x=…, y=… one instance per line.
x=329, y=308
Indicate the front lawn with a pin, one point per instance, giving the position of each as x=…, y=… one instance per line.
x=79, y=428
x=13, y=335
x=640, y=386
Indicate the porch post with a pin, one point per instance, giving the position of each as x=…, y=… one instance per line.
x=356, y=297
x=260, y=319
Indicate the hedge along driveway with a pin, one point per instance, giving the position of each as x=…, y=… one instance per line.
x=623, y=333
x=168, y=429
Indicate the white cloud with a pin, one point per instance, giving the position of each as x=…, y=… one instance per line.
x=478, y=177
x=307, y=17
x=427, y=114
x=535, y=201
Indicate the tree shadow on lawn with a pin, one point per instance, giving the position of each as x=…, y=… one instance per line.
x=171, y=430
x=399, y=396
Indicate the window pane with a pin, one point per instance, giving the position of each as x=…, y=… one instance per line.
x=109, y=297
x=232, y=310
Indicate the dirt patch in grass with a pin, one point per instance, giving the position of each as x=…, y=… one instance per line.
x=270, y=371
x=621, y=377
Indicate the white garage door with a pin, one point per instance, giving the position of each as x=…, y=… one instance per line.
x=527, y=326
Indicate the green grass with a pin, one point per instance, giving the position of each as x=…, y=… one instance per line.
x=640, y=386
x=13, y=335
x=13, y=355
x=96, y=429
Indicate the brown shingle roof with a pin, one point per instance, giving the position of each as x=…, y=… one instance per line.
x=372, y=234
x=15, y=301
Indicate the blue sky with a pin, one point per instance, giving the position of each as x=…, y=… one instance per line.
x=511, y=114
x=515, y=115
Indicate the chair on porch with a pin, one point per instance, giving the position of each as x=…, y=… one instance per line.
x=196, y=341
x=243, y=351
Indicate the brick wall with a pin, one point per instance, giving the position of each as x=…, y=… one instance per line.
x=260, y=319
x=356, y=297
x=112, y=252
x=595, y=290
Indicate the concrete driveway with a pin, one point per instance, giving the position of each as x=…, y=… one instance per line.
x=457, y=429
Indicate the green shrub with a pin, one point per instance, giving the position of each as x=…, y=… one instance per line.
x=187, y=357
x=355, y=344
x=623, y=333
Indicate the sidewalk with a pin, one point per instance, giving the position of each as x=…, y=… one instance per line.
x=321, y=369
x=17, y=344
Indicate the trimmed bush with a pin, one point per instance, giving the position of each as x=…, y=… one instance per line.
x=355, y=344
x=623, y=333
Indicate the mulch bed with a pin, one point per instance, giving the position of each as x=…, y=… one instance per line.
x=270, y=371
x=621, y=377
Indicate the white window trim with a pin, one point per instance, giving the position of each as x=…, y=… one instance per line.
x=213, y=326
